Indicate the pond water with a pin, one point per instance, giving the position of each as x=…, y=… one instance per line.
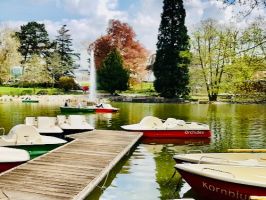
x=146, y=173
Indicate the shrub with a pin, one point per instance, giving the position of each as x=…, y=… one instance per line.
x=26, y=92
x=42, y=92
x=66, y=83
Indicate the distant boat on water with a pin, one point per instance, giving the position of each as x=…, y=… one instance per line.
x=30, y=100
x=76, y=109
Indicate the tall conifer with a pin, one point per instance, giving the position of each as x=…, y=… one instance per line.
x=65, y=51
x=172, y=55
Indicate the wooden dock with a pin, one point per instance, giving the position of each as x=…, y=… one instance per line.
x=71, y=171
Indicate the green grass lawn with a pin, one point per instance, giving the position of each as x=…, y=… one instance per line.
x=13, y=91
x=142, y=88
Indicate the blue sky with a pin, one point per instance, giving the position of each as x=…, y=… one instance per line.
x=88, y=19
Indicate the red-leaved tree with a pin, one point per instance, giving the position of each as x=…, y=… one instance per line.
x=122, y=37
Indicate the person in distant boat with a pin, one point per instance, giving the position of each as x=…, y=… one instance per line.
x=99, y=105
x=79, y=105
x=66, y=103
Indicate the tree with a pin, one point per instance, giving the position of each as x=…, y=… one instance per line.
x=172, y=55
x=9, y=55
x=55, y=68
x=213, y=48
x=112, y=76
x=34, y=40
x=228, y=57
x=65, y=52
x=249, y=60
x=122, y=37
x=248, y=5
x=36, y=72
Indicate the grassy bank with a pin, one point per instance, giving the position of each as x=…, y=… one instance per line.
x=12, y=91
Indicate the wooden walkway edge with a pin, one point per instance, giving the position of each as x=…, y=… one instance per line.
x=71, y=171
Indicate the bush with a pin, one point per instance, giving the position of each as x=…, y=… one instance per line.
x=26, y=92
x=42, y=92
x=66, y=83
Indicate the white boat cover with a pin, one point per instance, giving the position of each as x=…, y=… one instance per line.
x=48, y=125
x=13, y=155
x=154, y=123
x=27, y=135
x=78, y=122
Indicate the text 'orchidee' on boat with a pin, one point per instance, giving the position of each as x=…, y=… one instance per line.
x=28, y=138
x=11, y=157
x=171, y=128
x=224, y=182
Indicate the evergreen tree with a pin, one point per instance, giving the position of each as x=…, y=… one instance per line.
x=112, y=75
x=34, y=40
x=172, y=56
x=65, y=51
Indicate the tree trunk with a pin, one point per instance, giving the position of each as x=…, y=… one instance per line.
x=212, y=97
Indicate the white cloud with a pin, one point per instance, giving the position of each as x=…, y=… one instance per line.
x=142, y=15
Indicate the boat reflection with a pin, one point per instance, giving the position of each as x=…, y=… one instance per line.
x=176, y=141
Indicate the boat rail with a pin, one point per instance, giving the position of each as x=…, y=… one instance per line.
x=194, y=151
x=214, y=158
x=218, y=170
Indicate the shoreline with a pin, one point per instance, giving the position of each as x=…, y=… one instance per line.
x=83, y=99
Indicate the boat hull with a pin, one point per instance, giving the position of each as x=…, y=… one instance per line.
x=36, y=150
x=175, y=133
x=212, y=189
x=9, y=165
x=76, y=110
x=30, y=101
x=177, y=141
x=74, y=131
x=105, y=110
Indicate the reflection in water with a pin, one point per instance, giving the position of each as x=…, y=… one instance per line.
x=164, y=171
x=136, y=180
x=176, y=141
x=146, y=174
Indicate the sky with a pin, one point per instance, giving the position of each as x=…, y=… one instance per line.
x=88, y=19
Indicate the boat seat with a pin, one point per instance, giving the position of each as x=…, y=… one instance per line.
x=48, y=125
x=171, y=123
x=76, y=120
x=151, y=122
x=61, y=119
x=23, y=134
x=30, y=121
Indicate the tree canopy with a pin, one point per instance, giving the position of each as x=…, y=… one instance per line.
x=65, y=52
x=34, y=40
x=248, y=6
x=112, y=76
x=122, y=37
x=228, y=57
x=172, y=55
x=9, y=55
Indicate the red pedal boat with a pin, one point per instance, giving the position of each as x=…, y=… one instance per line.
x=105, y=108
x=10, y=157
x=170, y=128
x=213, y=182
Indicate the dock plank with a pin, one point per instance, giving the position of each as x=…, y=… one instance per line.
x=71, y=171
